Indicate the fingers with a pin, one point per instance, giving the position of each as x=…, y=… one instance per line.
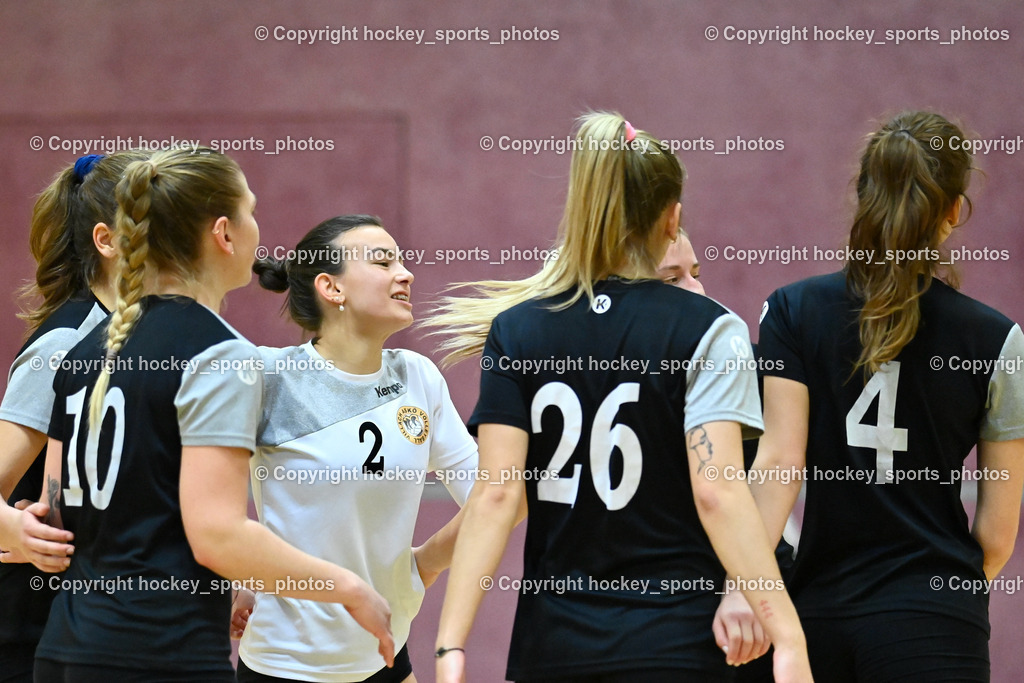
x=387, y=648
x=23, y=504
x=721, y=638
x=761, y=640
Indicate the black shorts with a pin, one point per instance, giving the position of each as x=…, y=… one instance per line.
x=396, y=674
x=16, y=662
x=891, y=647
x=645, y=675
x=49, y=671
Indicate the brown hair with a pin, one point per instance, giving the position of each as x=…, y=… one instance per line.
x=912, y=174
x=60, y=236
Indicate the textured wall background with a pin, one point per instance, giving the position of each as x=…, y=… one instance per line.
x=405, y=122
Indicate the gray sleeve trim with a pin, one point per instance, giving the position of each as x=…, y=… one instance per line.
x=1004, y=417
x=721, y=383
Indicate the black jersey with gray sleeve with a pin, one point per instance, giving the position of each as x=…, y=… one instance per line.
x=618, y=570
x=28, y=401
x=134, y=593
x=884, y=527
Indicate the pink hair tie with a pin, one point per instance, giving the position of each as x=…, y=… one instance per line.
x=630, y=132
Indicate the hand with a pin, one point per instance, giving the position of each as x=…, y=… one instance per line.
x=372, y=612
x=737, y=631
x=451, y=668
x=790, y=665
x=30, y=540
x=427, y=576
x=241, y=608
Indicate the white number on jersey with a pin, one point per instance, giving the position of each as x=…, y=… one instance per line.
x=98, y=495
x=605, y=437
x=885, y=437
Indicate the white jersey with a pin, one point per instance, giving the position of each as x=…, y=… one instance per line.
x=339, y=470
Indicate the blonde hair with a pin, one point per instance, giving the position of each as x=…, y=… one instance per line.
x=60, y=236
x=911, y=177
x=618, y=189
x=164, y=205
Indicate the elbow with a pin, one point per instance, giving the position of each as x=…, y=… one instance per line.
x=997, y=554
x=501, y=501
x=209, y=547
x=707, y=497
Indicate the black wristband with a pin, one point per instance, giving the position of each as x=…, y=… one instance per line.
x=442, y=651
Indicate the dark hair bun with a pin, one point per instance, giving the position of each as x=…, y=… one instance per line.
x=273, y=274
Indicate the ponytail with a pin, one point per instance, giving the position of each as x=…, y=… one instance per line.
x=621, y=180
x=133, y=198
x=60, y=236
x=165, y=205
x=911, y=177
x=316, y=253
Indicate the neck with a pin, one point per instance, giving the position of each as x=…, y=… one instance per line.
x=206, y=293
x=105, y=293
x=351, y=352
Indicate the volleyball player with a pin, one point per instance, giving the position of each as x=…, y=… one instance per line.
x=868, y=389
x=157, y=496
x=736, y=629
x=71, y=241
x=635, y=499
x=379, y=419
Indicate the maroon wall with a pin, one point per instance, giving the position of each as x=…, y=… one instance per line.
x=406, y=121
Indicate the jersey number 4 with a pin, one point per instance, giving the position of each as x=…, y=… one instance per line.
x=99, y=496
x=885, y=437
x=605, y=437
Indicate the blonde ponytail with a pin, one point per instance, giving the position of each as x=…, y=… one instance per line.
x=621, y=180
x=165, y=205
x=133, y=197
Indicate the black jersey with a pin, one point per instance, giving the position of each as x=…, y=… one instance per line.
x=134, y=593
x=28, y=401
x=884, y=527
x=618, y=571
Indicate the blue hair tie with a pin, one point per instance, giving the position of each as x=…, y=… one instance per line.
x=85, y=164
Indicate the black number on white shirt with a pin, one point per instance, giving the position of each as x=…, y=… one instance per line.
x=371, y=465
x=99, y=496
x=885, y=437
x=605, y=437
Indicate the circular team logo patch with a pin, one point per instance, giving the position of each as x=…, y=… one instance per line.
x=740, y=347
x=413, y=423
x=602, y=302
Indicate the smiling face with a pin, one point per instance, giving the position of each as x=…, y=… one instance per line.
x=375, y=287
x=680, y=267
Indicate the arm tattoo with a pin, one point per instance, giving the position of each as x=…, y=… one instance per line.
x=698, y=441
x=766, y=609
x=53, y=500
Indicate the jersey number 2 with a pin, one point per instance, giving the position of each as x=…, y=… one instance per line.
x=604, y=438
x=98, y=495
x=885, y=437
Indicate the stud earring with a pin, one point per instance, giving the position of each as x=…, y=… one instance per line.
x=338, y=300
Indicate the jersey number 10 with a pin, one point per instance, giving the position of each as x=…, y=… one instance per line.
x=98, y=495
x=605, y=437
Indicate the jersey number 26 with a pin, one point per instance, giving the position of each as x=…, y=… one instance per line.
x=605, y=437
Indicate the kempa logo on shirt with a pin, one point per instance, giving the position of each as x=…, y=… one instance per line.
x=413, y=423
x=388, y=390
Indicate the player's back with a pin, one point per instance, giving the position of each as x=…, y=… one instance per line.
x=133, y=586
x=607, y=392
x=885, y=456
